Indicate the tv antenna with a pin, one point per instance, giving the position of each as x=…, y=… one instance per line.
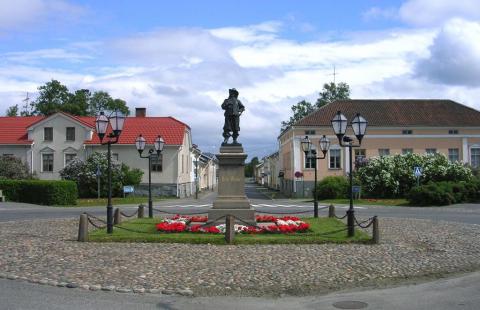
x=334, y=74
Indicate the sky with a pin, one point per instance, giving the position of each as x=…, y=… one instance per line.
x=179, y=58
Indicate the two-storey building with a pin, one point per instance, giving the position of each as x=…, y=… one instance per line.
x=394, y=127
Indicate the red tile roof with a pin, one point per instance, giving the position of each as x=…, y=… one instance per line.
x=398, y=113
x=13, y=130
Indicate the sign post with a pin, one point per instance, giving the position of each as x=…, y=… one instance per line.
x=417, y=172
x=98, y=173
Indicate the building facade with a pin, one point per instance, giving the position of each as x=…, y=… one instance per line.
x=394, y=127
x=47, y=144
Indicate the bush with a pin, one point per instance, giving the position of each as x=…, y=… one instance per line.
x=84, y=174
x=13, y=168
x=40, y=191
x=430, y=195
x=332, y=187
x=392, y=176
x=445, y=193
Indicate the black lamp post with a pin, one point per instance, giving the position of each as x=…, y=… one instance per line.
x=140, y=143
x=197, y=154
x=116, y=120
x=359, y=126
x=307, y=149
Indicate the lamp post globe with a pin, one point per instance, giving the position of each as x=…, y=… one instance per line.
x=306, y=145
x=359, y=126
x=324, y=144
x=140, y=143
x=159, y=143
x=117, y=119
x=101, y=124
x=339, y=124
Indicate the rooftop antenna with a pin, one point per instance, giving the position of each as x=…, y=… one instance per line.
x=26, y=105
x=334, y=75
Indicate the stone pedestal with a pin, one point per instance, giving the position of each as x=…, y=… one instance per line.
x=231, y=187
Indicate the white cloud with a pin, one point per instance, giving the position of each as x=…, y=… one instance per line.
x=435, y=12
x=21, y=14
x=380, y=13
x=454, y=55
x=186, y=72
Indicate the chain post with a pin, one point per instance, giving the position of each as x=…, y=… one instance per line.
x=141, y=211
x=331, y=211
x=375, y=231
x=83, y=228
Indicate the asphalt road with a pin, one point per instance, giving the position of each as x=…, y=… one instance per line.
x=454, y=293
x=464, y=213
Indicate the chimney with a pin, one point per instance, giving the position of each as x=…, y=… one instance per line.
x=140, y=112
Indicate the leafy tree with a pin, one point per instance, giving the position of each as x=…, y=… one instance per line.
x=12, y=111
x=52, y=98
x=13, y=168
x=84, y=174
x=250, y=166
x=102, y=101
x=332, y=92
x=299, y=110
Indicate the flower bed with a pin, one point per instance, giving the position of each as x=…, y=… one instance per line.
x=286, y=224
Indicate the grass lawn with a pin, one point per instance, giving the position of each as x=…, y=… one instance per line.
x=321, y=229
x=89, y=202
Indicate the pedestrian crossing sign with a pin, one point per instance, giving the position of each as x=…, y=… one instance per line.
x=417, y=171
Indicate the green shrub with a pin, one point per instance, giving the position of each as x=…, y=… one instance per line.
x=332, y=187
x=40, y=191
x=431, y=194
x=14, y=168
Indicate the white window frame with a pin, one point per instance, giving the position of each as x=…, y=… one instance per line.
x=450, y=155
x=65, y=158
x=305, y=160
x=471, y=154
x=431, y=150
x=53, y=162
x=330, y=157
x=74, y=134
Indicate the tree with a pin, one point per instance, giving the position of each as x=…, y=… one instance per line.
x=332, y=92
x=12, y=111
x=102, y=101
x=83, y=173
x=250, y=167
x=300, y=110
x=13, y=168
x=52, y=98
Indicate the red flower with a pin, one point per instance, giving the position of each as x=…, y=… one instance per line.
x=199, y=219
x=292, y=218
x=171, y=227
x=265, y=218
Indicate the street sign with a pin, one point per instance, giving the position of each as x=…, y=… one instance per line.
x=417, y=171
x=128, y=189
x=98, y=173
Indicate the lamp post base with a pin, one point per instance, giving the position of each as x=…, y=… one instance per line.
x=351, y=223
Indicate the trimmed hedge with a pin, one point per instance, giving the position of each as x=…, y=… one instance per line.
x=445, y=193
x=40, y=191
x=333, y=187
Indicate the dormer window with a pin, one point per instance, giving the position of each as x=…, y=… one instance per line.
x=407, y=132
x=48, y=134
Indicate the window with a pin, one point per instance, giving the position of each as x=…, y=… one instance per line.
x=70, y=134
x=115, y=156
x=407, y=151
x=453, y=132
x=157, y=163
x=453, y=155
x=48, y=134
x=47, y=162
x=311, y=162
x=407, y=132
x=383, y=152
x=360, y=154
x=334, y=159
x=8, y=155
x=431, y=151
x=69, y=158
x=475, y=157
x=309, y=132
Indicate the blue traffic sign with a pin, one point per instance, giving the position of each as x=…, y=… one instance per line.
x=417, y=171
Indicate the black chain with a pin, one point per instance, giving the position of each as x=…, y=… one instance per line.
x=359, y=224
x=126, y=215
x=91, y=216
x=341, y=217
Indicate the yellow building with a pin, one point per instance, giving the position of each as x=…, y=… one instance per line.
x=394, y=127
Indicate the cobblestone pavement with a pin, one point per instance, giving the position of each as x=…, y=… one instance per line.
x=45, y=252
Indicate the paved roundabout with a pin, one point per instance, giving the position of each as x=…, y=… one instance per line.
x=44, y=251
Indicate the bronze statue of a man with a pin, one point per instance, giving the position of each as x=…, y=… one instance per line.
x=233, y=109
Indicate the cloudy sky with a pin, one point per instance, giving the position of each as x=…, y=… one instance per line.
x=180, y=57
